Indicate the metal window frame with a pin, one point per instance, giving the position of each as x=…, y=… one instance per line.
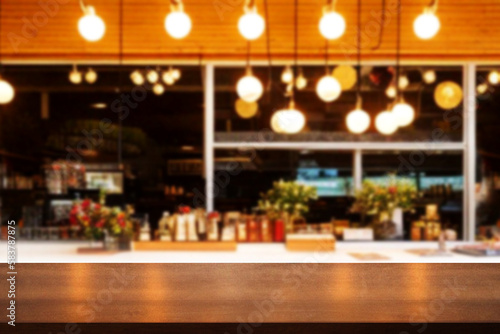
x=467, y=146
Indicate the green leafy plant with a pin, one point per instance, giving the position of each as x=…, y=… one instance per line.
x=291, y=198
x=375, y=198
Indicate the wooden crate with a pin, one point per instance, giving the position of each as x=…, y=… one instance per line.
x=310, y=242
x=184, y=246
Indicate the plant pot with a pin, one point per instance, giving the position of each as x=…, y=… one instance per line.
x=384, y=228
x=125, y=243
x=111, y=243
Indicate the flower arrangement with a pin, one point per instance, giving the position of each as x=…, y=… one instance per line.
x=375, y=199
x=96, y=219
x=290, y=198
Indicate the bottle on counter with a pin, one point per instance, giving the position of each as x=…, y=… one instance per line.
x=192, y=234
x=265, y=228
x=145, y=233
x=181, y=226
x=164, y=232
x=241, y=228
x=201, y=224
x=253, y=229
x=279, y=230
x=212, y=226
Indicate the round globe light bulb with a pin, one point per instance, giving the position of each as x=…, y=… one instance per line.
x=168, y=78
x=176, y=74
x=251, y=25
x=332, y=25
x=386, y=123
x=7, y=92
x=494, y=77
x=391, y=91
x=91, y=26
x=403, y=82
x=301, y=82
x=287, y=75
x=91, y=76
x=178, y=24
x=158, y=88
x=289, y=121
x=249, y=88
x=429, y=77
x=426, y=25
x=328, y=88
x=482, y=88
x=404, y=114
x=75, y=76
x=152, y=76
x=358, y=121
x=137, y=78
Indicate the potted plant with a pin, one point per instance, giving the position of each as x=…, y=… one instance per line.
x=381, y=200
x=101, y=223
x=287, y=200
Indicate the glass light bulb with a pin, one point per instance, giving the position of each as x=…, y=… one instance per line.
x=404, y=114
x=429, y=77
x=158, y=88
x=152, y=76
x=91, y=26
x=168, y=78
x=358, y=121
x=7, y=92
x=328, y=88
x=176, y=74
x=482, y=88
x=403, y=82
x=494, y=77
x=287, y=75
x=251, y=25
x=426, y=25
x=385, y=122
x=91, y=76
x=178, y=24
x=249, y=88
x=137, y=78
x=289, y=121
x=301, y=81
x=391, y=91
x=75, y=76
x=332, y=25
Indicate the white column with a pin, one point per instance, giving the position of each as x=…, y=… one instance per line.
x=209, y=117
x=469, y=156
x=357, y=169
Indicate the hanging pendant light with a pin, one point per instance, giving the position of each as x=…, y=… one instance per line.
x=404, y=114
x=288, y=121
x=346, y=75
x=91, y=76
x=429, y=77
x=287, y=75
x=403, y=82
x=386, y=123
x=427, y=24
x=137, y=78
x=358, y=120
x=91, y=26
x=482, y=88
x=152, y=76
x=177, y=23
x=75, y=76
x=158, y=88
x=7, y=92
x=332, y=24
x=249, y=88
x=391, y=91
x=301, y=81
x=494, y=77
x=251, y=25
x=328, y=88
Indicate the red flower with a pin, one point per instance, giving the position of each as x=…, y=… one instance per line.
x=86, y=204
x=100, y=223
x=213, y=215
x=73, y=220
x=85, y=218
x=393, y=189
x=97, y=207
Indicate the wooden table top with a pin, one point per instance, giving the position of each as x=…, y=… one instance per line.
x=416, y=293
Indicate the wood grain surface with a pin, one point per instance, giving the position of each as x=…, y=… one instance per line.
x=253, y=293
x=469, y=30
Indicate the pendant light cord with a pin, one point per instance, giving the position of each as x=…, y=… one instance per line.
x=120, y=83
x=398, y=47
x=381, y=31
x=296, y=51
x=358, y=95
x=248, y=55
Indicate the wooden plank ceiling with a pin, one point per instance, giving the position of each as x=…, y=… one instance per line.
x=470, y=31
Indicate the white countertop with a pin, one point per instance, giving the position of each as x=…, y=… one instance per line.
x=66, y=252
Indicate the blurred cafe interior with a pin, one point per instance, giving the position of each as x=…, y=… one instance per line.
x=145, y=125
